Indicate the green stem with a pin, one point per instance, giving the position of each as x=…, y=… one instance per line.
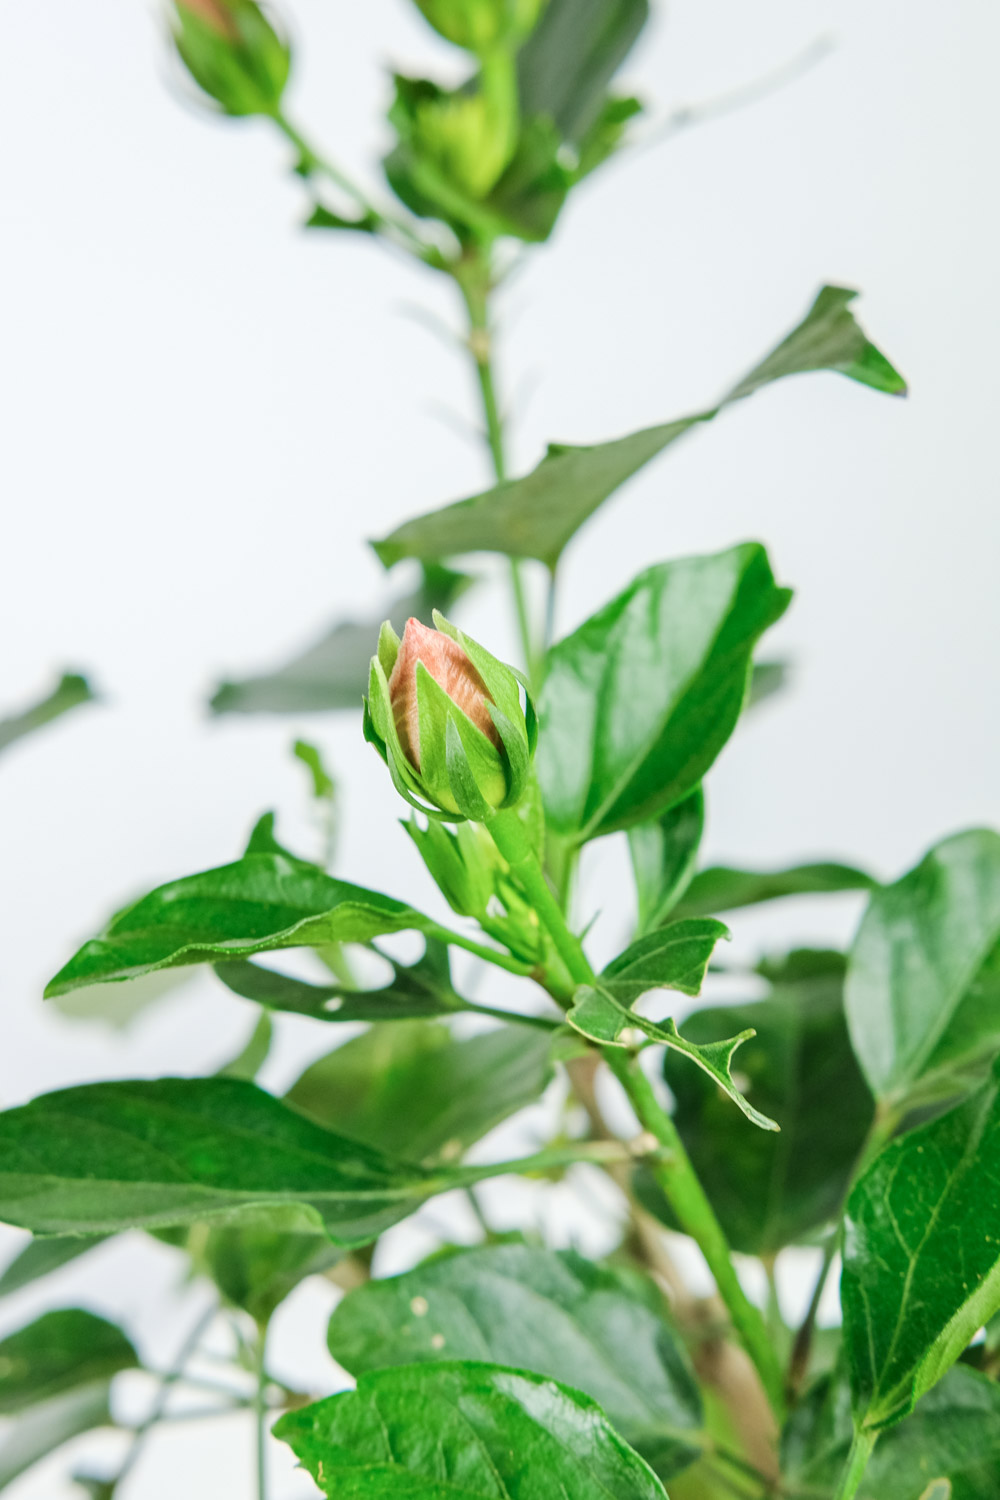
x=260, y=1410
x=488, y=955
x=673, y=1170
x=157, y=1411
x=599, y=1153
x=474, y=284
x=514, y=1017
x=857, y=1463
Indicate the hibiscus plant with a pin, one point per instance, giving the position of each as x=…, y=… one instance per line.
x=851, y=1105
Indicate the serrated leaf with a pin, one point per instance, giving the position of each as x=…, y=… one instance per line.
x=773, y=1190
x=333, y=674
x=921, y=1257
x=663, y=853
x=606, y=1332
x=72, y=690
x=411, y=1087
x=475, y=1430
x=259, y=904
x=923, y=985
x=639, y=701
x=538, y=515
x=722, y=888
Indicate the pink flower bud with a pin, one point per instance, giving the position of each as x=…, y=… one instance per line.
x=449, y=665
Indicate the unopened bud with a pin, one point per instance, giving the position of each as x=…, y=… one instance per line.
x=214, y=14
x=446, y=716
x=233, y=53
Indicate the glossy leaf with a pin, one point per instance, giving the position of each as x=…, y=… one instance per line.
x=565, y=66
x=112, y=1156
x=722, y=888
x=771, y=1190
x=71, y=691
x=922, y=1257
x=663, y=852
x=923, y=986
x=538, y=515
x=477, y=1431
x=605, y=1332
x=640, y=699
x=410, y=1087
x=259, y=904
x=954, y=1432
x=41, y=1257
x=421, y=989
x=333, y=674
x=674, y=957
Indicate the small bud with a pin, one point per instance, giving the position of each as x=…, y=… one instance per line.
x=233, y=53
x=446, y=716
x=480, y=25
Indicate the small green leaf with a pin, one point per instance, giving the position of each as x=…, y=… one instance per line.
x=605, y=1332
x=774, y=1190
x=333, y=674
x=410, y=1087
x=674, y=957
x=639, y=701
x=923, y=986
x=421, y=989
x=663, y=857
x=323, y=785
x=41, y=1257
x=954, y=1431
x=478, y=1431
x=323, y=218
x=538, y=515
x=921, y=1257
x=112, y=1156
x=70, y=693
x=721, y=888
x=262, y=903
x=56, y=1353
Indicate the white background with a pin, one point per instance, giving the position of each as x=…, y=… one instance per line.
x=206, y=412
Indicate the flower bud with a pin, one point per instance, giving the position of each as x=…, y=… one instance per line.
x=446, y=716
x=233, y=53
x=480, y=25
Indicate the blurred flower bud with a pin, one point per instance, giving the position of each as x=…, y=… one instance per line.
x=470, y=138
x=446, y=716
x=481, y=25
x=233, y=53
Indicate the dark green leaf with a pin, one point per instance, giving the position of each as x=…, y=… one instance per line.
x=41, y=1257
x=111, y=1156
x=536, y=516
x=674, y=957
x=773, y=1190
x=663, y=856
x=262, y=903
x=71, y=691
x=471, y=1430
x=333, y=674
x=58, y=1352
x=422, y=989
x=604, y=1332
x=954, y=1431
x=566, y=64
x=921, y=1257
x=411, y=1087
x=640, y=699
x=721, y=888
x=923, y=986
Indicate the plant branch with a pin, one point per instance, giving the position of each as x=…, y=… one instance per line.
x=260, y=1409
x=857, y=1463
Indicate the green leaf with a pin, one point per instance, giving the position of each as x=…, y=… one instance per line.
x=256, y=1269
x=119, y=1006
x=323, y=218
x=252, y=1056
x=57, y=1352
x=42, y=1429
x=674, y=957
x=538, y=515
x=259, y=904
x=773, y=1190
x=954, y=1431
x=472, y=1430
x=324, y=788
x=921, y=1257
x=112, y=1156
x=41, y=1257
x=923, y=986
x=71, y=691
x=333, y=674
x=411, y=1087
x=663, y=857
x=421, y=989
x=721, y=888
x=605, y=1332
x=640, y=699
x=566, y=64
x=768, y=678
